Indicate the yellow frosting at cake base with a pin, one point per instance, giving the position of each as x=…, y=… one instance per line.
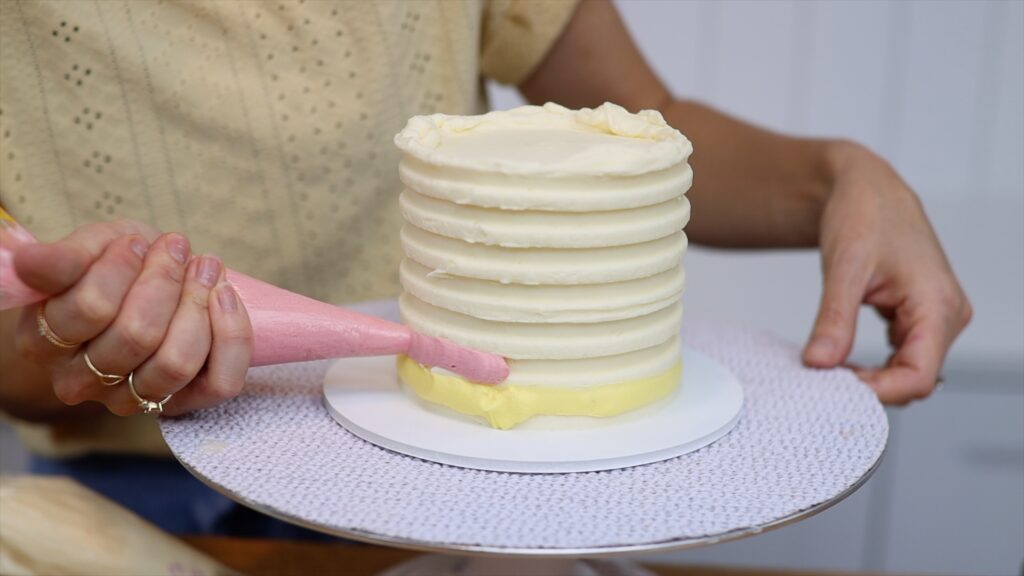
x=504, y=406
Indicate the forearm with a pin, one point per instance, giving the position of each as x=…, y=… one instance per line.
x=25, y=390
x=752, y=188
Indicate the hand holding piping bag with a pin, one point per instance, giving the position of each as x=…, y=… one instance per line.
x=285, y=327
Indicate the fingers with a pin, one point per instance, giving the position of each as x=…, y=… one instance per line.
x=50, y=268
x=185, y=348
x=229, y=355
x=921, y=329
x=846, y=278
x=143, y=308
x=135, y=321
x=55, y=267
x=147, y=309
x=85, y=310
x=72, y=382
x=913, y=370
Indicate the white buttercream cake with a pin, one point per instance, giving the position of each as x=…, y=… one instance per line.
x=554, y=238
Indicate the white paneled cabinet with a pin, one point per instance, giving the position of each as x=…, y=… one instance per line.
x=957, y=497
x=948, y=499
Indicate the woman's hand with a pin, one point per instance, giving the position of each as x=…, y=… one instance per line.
x=138, y=302
x=878, y=248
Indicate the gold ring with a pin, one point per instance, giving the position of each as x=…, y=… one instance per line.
x=46, y=332
x=106, y=379
x=148, y=406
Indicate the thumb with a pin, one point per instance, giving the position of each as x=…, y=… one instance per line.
x=832, y=336
x=53, y=268
x=50, y=268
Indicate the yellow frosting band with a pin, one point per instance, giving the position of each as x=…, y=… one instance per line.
x=507, y=405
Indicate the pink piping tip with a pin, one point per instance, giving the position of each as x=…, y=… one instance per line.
x=473, y=365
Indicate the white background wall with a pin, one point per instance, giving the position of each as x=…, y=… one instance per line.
x=938, y=89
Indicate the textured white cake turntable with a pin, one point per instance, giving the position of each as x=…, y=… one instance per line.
x=805, y=440
x=366, y=397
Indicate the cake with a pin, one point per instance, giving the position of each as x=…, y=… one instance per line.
x=554, y=238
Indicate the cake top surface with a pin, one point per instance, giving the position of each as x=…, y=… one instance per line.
x=548, y=140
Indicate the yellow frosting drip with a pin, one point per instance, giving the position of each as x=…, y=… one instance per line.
x=506, y=405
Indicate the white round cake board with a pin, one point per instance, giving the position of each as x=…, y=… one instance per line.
x=367, y=398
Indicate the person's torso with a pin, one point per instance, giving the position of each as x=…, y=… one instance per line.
x=263, y=131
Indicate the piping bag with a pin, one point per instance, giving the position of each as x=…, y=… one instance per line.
x=288, y=327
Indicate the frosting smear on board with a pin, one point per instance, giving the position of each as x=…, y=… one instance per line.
x=552, y=237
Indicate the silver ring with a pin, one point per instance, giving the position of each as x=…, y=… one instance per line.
x=106, y=379
x=46, y=332
x=148, y=406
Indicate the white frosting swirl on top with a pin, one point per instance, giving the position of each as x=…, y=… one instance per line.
x=548, y=141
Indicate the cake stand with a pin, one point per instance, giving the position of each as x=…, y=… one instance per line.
x=806, y=439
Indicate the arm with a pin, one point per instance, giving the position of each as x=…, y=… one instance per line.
x=754, y=188
x=783, y=180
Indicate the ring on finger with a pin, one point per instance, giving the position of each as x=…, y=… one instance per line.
x=46, y=332
x=148, y=406
x=106, y=379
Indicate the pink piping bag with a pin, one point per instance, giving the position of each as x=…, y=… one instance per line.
x=288, y=327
